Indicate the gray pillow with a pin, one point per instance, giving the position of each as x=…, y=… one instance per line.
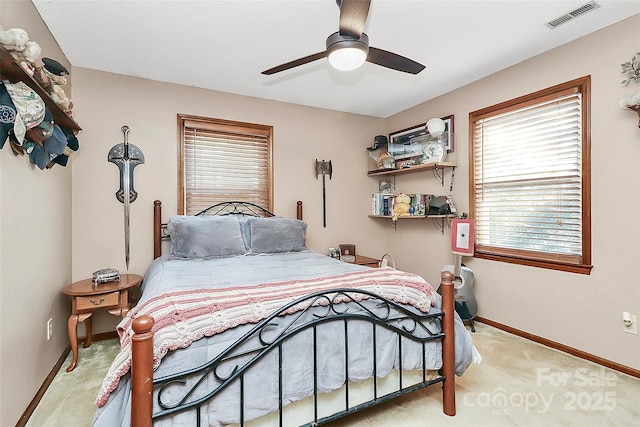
x=275, y=234
x=194, y=237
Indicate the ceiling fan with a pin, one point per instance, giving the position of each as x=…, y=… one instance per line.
x=349, y=48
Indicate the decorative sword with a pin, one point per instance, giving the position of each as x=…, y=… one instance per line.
x=126, y=162
x=126, y=156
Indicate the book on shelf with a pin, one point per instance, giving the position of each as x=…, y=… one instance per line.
x=382, y=203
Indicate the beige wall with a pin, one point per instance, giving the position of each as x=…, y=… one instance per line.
x=50, y=238
x=35, y=252
x=580, y=311
x=105, y=102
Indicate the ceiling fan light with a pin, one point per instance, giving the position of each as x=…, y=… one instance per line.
x=347, y=53
x=347, y=58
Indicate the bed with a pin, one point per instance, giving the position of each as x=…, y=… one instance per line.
x=241, y=324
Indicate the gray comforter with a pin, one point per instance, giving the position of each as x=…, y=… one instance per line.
x=166, y=275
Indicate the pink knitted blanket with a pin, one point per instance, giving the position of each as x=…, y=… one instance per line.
x=186, y=316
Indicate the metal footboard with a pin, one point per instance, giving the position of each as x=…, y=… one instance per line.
x=271, y=335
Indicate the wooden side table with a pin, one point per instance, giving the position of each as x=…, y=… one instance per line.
x=366, y=261
x=87, y=297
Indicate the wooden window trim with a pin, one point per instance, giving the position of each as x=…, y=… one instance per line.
x=224, y=126
x=584, y=265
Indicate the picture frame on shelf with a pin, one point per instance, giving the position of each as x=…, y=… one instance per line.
x=404, y=136
x=410, y=141
x=407, y=144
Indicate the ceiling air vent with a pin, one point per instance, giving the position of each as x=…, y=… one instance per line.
x=592, y=5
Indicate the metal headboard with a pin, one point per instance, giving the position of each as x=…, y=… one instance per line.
x=236, y=208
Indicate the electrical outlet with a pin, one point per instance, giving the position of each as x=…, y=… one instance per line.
x=630, y=327
x=49, y=329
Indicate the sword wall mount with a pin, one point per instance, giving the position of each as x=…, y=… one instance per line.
x=117, y=156
x=126, y=156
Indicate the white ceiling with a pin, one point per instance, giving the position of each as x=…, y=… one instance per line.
x=224, y=45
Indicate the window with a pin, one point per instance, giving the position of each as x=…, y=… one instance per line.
x=221, y=160
x=530, y=179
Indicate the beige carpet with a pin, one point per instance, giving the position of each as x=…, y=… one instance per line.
x=518, y=383
x=69, y=400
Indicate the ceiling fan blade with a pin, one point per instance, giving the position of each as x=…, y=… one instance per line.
x=393, y=60
x=353, y=17
x=296, y=63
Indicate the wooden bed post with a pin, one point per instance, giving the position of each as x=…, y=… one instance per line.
x=157, y=228
x=299, y=209
x=142, y=372
x=448, y=345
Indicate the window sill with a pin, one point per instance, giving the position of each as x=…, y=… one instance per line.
x=550, y=265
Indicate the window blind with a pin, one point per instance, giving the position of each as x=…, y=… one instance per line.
x=225, y=162
x=528, y=179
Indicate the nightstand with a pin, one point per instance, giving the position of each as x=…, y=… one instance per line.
x=87, y=297
x=366, y=261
